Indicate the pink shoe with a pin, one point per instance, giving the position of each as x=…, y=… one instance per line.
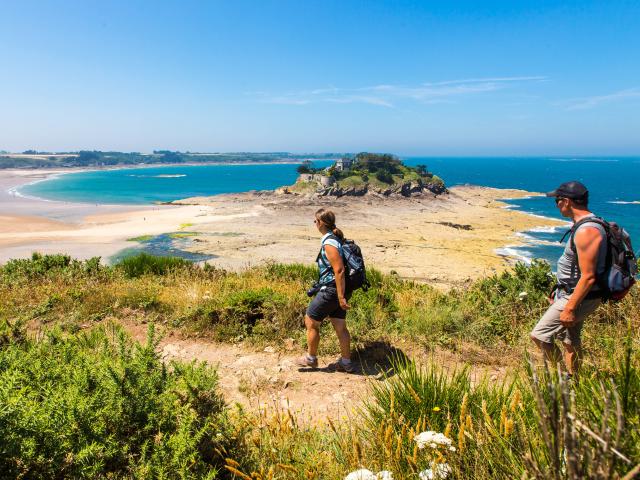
x=306, y=362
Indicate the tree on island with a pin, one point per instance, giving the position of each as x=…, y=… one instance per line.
x=384, y=176
x=372, y=162
x=305, y=167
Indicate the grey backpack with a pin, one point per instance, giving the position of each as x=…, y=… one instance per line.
x=621, y=264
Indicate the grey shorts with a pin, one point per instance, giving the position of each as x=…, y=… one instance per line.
x=549, y=327
x=326, y=304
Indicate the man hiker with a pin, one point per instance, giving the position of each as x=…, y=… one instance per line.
x=577, y=293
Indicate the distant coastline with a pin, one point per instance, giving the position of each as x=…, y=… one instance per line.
x=51, y=173
x=98, y=159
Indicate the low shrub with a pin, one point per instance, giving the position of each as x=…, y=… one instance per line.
x=39, y=266
x=95, y=405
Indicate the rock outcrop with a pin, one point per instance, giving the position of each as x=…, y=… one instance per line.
x=408, y=189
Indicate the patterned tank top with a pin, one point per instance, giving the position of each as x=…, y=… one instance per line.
x=324, y=266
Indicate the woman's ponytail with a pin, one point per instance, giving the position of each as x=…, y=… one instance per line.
x=338, y=233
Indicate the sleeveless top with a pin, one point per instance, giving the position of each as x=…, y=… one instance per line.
x=568, y=271
x=326, y=271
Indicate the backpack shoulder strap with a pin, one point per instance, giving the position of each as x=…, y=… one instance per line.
x=333, y=237
x=603, y=223
x=328, y=268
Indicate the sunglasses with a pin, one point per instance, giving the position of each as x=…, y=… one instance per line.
x=559, y=199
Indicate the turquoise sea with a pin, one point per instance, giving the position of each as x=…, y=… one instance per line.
x=613, y=183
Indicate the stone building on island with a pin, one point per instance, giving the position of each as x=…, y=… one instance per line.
x=344, y=164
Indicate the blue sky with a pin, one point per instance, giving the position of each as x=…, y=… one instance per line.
x=413, y=78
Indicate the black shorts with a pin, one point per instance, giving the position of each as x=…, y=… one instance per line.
x=326, y=304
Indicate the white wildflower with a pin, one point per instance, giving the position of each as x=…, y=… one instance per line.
x=384, y=475
x=362, y=474
x=433, y=439
x=441, y=471
x=522, y=295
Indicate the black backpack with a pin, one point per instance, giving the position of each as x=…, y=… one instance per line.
x=355, y=271
x=621, y=264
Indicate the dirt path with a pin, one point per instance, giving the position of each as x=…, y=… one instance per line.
x=270, y=380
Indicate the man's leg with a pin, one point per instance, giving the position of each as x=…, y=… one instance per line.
x=550, y=350
x=546, y=330
x=340, y=326
x=572, y=340
x=313, y=335
x=572, y=356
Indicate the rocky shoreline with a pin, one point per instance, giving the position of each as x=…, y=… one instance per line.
x=406, y=189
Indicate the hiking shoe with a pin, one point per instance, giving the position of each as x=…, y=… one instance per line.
x=306, y=362
x=340, y=366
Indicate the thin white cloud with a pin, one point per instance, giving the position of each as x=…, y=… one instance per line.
x=586, y=103
x=494, y=79
x=388, y=95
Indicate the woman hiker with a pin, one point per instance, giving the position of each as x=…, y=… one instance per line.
x=331, y=297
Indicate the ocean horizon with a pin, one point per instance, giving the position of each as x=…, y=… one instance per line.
x=612, y=182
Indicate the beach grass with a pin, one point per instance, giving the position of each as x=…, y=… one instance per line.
x=266, y=304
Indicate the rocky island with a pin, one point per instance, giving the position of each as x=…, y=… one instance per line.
x=366, y=174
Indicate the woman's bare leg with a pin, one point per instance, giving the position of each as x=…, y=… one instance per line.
x=340, y=326
x=313, y=335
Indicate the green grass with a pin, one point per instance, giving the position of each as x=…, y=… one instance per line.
x=490, y=314
x=185, y=225
x=94, y=404
x=143, y=263
x=353, y=181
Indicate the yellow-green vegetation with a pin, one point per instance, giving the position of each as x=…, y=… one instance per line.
x=352, y=181
x=110, y=400
x=303, y=187
x=183, y=234
x=141, y=239
x=185, y=225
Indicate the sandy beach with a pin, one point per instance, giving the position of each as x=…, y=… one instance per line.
x=79, y=229
x=446, y=240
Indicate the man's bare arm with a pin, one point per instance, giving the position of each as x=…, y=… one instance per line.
x=587, y=241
